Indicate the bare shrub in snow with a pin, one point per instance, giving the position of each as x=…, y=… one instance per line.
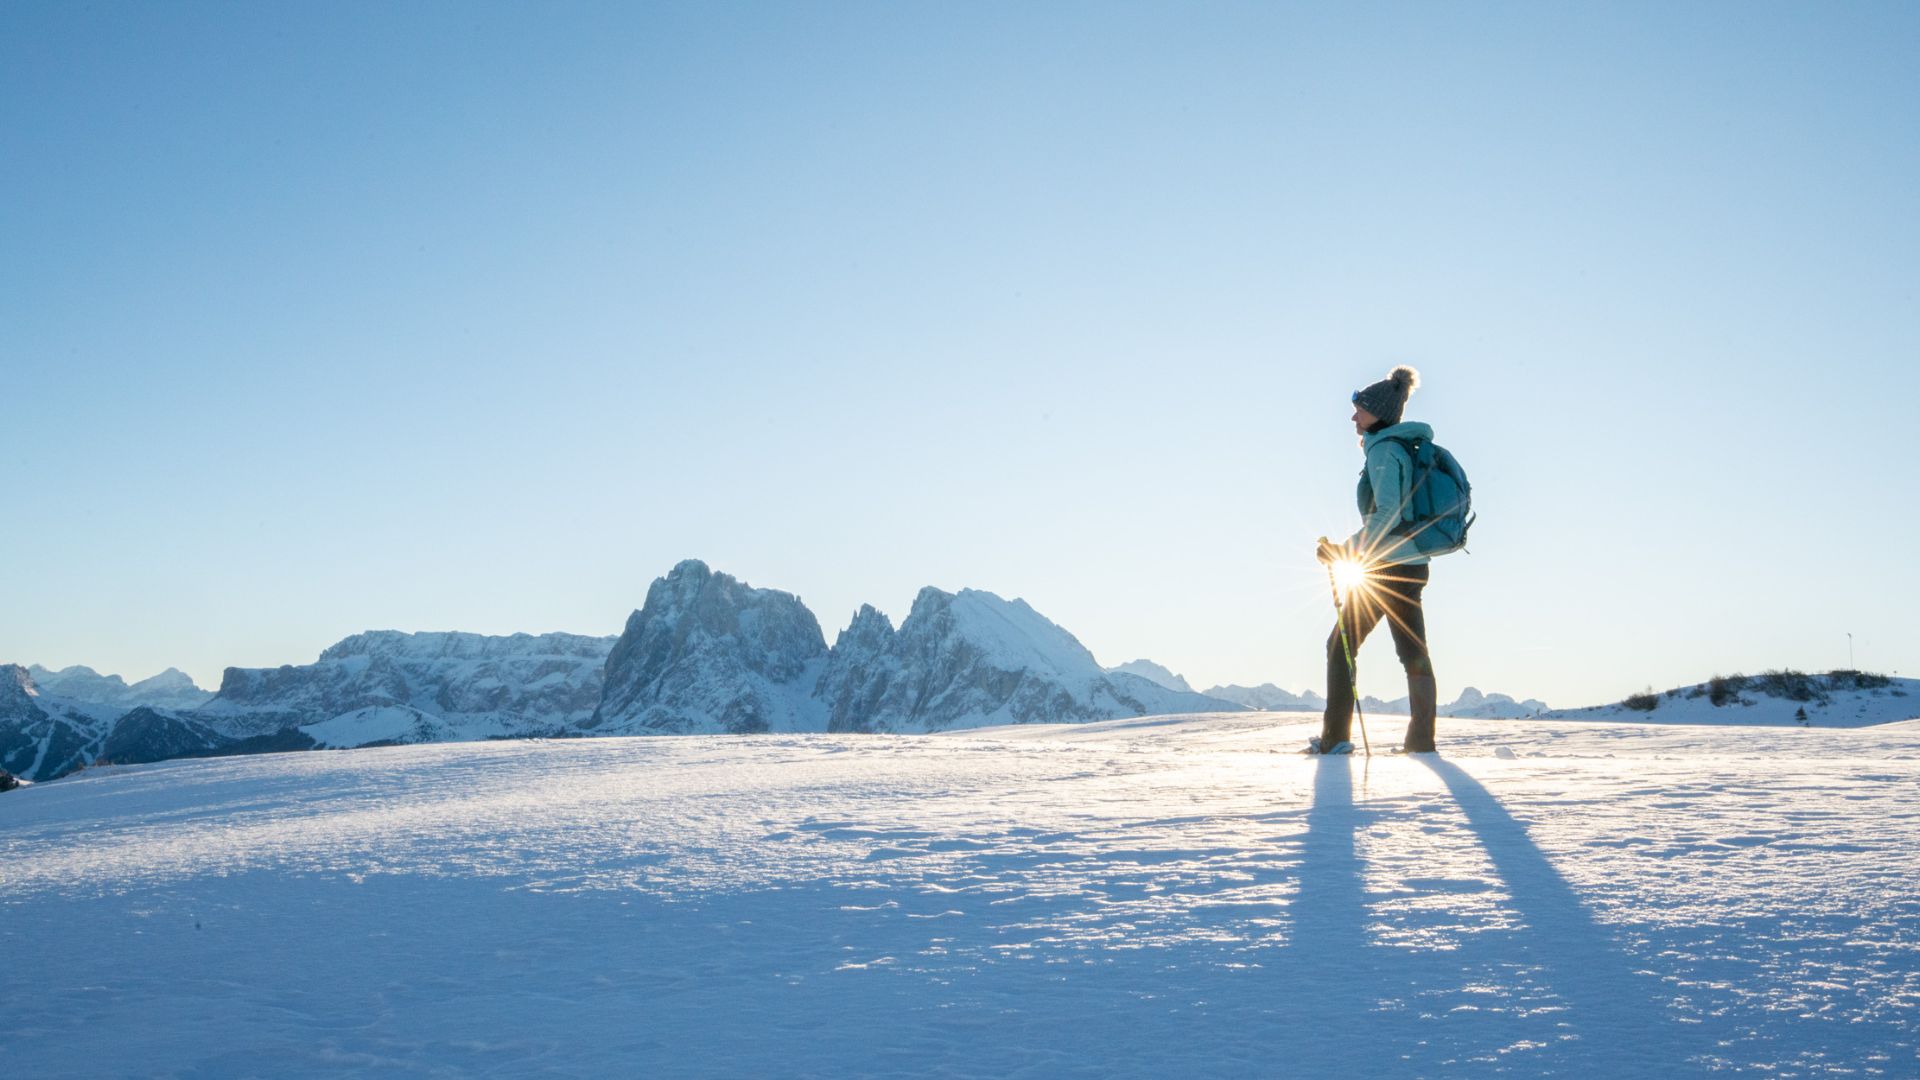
x=1722, y=689
x=1788, y=683
x=1847, y=678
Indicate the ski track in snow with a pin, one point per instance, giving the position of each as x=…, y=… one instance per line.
x=1139, y=898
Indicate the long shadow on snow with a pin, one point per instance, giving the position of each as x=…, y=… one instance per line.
x=1617, y=1027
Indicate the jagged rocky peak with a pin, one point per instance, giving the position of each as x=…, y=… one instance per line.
x=1009, y=633
x=171, y=679
x=972, y=658
x=709, y=653
x=858, y=671
x=1154, y=673
x=870, y=628
x=16, y=684
x=1473, y=703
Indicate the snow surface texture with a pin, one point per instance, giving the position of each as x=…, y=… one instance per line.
x=1158, y=897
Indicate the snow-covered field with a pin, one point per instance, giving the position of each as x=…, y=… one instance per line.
x=1140, y=898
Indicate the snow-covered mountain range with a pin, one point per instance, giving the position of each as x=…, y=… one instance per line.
x=1153, y=672
x=1471, y=702
x=171, y=689
x=474, y=686
x=705, y=654
x=372, y=688
x=971, y=659
x=1269, y=698
x=709, y=654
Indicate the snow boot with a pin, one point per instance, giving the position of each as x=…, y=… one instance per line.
x=1422, y=702
x=1313, y=747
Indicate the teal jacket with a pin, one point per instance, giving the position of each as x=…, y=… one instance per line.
x=1390, y=470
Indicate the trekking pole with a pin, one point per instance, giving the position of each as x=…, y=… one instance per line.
x=1353, y=677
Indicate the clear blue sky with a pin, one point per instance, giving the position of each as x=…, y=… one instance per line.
x=316, y=318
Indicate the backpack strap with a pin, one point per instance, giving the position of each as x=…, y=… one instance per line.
x=1416, y=478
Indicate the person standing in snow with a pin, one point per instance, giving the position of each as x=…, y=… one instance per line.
x=1395, y=570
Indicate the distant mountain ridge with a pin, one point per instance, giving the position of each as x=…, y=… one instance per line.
x=1471, y=702
x=482, y=686
x=705, y=654
x=1270, y=698
x=709, y=654
x=1154, y=673
x=171, y=689
x=973, y=659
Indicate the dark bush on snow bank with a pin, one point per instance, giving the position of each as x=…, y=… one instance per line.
x=1848, y=679
x=1724, y=688
x=1789, y=684
x=1643, y=701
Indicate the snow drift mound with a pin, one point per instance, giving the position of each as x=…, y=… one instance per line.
x=1836, y=699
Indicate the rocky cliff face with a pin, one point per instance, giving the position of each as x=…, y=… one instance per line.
x=707, y=653
x=474, y=685
x=970, y=659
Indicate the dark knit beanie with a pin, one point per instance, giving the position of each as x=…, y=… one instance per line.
x=1388, y=397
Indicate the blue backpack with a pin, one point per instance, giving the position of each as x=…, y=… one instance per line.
x=1440, y=500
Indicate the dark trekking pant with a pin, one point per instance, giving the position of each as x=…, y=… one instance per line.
x=1392, y=593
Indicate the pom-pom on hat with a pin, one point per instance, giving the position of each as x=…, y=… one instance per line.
x=1387, y=398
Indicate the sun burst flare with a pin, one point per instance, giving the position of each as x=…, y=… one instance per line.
x=1348, y=576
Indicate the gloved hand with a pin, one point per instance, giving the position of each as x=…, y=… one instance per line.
x=1327, y=550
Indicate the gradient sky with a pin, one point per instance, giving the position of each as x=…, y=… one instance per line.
x=316, y=318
